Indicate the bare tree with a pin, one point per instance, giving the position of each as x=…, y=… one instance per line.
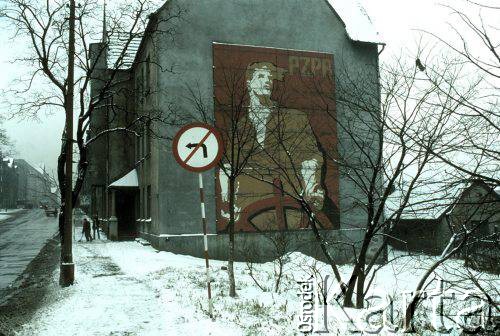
x=474, y=44
x=59, y=44
x=280, y=243
x=389, y=165
x=471, y=149
x=384, y=152
x=7, y=171
x=6, y=145
x=469, y=227
x=230, y=118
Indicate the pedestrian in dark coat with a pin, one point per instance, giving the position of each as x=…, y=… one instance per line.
x=95, y=227
x=86, y=229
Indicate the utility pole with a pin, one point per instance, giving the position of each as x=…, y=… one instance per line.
x=67, y=270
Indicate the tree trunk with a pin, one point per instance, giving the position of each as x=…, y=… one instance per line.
x=360, y=289
x=319, y=239
x=350, y=288
x=412, y=306
x=415, y=300
x=230, y=264
x=67, y=269
x=358, y=276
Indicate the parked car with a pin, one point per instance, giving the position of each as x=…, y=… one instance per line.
x=51, y=212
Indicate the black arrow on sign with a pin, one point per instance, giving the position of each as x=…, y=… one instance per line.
x=193, y=145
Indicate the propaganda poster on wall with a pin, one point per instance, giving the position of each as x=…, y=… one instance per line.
x=275, y=110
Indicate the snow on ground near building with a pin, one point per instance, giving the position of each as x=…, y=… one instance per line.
x=124, y=288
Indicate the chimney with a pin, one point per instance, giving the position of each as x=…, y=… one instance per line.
x=98, y=52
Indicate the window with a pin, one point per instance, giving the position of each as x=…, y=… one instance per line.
x=148, y=138
x=148, y=76
x=98, y=202
x=137, y=148
x=140, y=87
x=143, y=142
x=141, y=213
x=480, y=227
x=148, y=214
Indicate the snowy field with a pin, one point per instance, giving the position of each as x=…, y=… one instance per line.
x=124, y=288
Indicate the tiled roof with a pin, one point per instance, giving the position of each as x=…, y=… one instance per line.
x=116, y=47
x=123, y=28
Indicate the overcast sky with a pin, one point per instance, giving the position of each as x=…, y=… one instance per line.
x=397, y=21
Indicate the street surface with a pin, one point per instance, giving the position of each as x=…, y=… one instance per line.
x=21, y=239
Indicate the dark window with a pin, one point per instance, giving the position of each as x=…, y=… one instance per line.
x=137, y=148
x=148, y=215
x=148, y=76
x=143, y=142
x=148, y=138
x=98, y=203
x=140, y=86
x=142, y=203
x=480, y=227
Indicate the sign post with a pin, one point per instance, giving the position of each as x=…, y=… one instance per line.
x=198, y=147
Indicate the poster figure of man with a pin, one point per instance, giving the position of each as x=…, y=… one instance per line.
x=287, y=159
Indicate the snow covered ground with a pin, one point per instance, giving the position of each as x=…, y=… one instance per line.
x=9, y=211
x=4, y=217
x=125, y=288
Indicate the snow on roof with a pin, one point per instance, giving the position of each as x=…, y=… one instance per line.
x=431, y=195
x=9, y=160
x=423, y=204
x=432, y=200
x=123, y=29
x=130, y=180
x=116, y=47
x=40, y=168
x=357, y=23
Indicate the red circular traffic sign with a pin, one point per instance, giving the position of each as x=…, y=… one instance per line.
x=197, y=147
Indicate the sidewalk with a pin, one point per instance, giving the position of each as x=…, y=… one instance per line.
x=125, y=288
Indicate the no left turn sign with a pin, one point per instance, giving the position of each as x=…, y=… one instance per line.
x=197, y=147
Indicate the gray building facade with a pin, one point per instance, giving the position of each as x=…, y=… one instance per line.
x=24, y=186
x=165, y=198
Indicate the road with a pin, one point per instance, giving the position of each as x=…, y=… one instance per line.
x=21, y=239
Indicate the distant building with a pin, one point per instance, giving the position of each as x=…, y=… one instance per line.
x=33, y=186
x=477, y=205
x=8, y=183
x=134, y=184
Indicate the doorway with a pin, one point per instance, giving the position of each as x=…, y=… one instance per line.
x=125, y=213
